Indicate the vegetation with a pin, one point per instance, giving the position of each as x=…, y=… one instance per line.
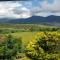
x=29, y=42
x=45, y=47
x=12, y=28
x=10, y=47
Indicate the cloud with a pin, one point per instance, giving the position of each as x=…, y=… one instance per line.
x=49, y=8
x=13, y=10
x=55, y=6
x=22, y=12
x=26, y=9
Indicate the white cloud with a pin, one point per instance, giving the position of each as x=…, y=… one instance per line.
x=22, y=12
x=18, y=9
x=55, y=6
x=13, y=10
x=49, y=9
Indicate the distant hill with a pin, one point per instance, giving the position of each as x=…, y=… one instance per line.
x=37, y=19
x=34, y=19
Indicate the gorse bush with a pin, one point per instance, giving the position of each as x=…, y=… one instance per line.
x=9, y=48
x=44, y=47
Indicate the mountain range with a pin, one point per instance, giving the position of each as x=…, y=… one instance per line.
x=34, y=19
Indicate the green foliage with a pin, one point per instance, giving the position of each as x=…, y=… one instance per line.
x=10, y=47
x=12, y=28
x=44, y=47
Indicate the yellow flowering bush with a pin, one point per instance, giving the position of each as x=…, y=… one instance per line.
x=45, y=46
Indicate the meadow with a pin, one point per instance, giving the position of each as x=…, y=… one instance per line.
x=26, y=34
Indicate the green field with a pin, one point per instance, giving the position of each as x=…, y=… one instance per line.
x=26, y=36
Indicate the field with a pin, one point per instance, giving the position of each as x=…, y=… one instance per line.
x=26, y=33
x=26, y=36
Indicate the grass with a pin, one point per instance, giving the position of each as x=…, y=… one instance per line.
x=26, y=36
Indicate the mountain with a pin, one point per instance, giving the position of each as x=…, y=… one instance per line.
x=34, y=19
x=37, y=19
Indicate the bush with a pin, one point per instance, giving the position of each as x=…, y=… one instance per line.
x=10, y=47
x=44, y=46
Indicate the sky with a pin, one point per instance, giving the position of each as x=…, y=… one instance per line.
x=26, y=9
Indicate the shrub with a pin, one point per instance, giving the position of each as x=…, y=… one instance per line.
x=44, y=46
x=10, y=47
